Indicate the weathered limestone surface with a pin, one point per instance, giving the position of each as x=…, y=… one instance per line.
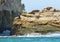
x=48, y=20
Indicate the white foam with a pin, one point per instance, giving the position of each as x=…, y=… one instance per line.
x=37, y=35
x=46, y=35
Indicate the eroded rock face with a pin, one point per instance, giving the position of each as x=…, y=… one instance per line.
x=9, y=9
x=40, y=21
x=49, y=9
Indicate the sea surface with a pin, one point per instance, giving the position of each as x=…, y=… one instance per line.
x=29, y=39
x=33, y=37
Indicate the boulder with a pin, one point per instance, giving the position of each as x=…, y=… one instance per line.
x=49, y=9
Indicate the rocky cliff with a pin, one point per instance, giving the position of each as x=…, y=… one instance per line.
x=47, y=20
x=9, y=9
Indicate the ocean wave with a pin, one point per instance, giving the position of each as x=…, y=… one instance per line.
x=37, y=35
x=40, y=35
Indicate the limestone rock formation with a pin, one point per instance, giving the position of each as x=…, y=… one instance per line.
x=9, y=9
x=40, y=22
x=49, y=9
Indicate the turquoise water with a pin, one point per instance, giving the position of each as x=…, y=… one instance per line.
x=30, y=39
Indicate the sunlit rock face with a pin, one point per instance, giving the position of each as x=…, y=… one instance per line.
x=8, y=10
x=49, y=9
x=44, y=21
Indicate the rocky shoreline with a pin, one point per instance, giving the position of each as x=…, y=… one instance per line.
x=14, y=20
x=45, y=21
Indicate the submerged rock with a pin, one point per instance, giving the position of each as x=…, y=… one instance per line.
x=5, y=33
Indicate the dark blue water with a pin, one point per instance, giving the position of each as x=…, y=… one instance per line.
x=30, y=39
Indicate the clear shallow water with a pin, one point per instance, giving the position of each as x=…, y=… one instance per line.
x=30, y=39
